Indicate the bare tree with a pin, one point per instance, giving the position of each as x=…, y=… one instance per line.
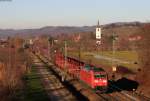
x=144, y=57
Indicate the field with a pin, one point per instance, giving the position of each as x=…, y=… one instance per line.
x=128, y=59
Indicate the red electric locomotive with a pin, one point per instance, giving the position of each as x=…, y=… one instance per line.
x=94, y=77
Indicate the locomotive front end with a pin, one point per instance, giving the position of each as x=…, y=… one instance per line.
x=100, y=81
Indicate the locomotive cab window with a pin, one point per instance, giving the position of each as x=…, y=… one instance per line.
x=87, y=67
x=99, y=76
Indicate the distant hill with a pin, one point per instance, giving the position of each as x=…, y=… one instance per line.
x=49, y=30
x=53, y=31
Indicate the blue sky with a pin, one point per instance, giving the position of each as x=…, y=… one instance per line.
x=20, y=14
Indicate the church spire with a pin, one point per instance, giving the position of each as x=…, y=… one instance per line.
x=98, y=24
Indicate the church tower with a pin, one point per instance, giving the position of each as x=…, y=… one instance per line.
x=98, y=34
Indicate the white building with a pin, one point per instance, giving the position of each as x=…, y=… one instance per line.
x=98, y=34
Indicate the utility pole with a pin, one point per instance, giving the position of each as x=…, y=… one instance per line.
x=79, y=55
x=9, y=53
x=50, y=45
x=52, y=51
x=114, y=67
x=48, y=49
x=65, y=63
x=113, y=47
x=65, y=55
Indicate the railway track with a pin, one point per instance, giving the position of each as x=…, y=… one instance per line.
x=122, y=95
x=114, y=96
x=118, y=96
x=55, y=89
x=142, y=97
x=103, y=97
x=107, y=97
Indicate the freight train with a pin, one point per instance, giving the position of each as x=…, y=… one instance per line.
x=95, y=77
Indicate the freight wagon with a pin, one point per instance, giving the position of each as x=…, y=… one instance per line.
x=93, y=76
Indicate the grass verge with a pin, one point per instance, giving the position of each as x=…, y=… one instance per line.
x=122, y=55
x=34, y=90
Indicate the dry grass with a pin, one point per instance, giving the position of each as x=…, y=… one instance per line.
x=13, y=65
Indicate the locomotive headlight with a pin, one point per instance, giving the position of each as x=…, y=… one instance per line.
x=96, y=81
x=104, y=81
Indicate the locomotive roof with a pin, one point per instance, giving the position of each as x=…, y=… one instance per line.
x=98, y=69
x=94, y=68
